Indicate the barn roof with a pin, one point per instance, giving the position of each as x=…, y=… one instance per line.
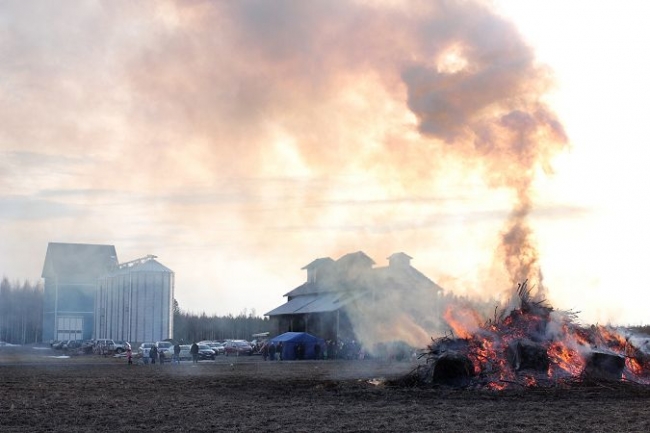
x=323, y=261
x=358, y=258
x=293, y=305
x=304, y=289
x=319, y=303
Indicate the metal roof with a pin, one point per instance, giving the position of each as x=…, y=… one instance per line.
x=293, y=305
x=65, y=260
x=329, y=302
x=149, y=265
x=358, y=258
x=321, y=303
x=324, y=261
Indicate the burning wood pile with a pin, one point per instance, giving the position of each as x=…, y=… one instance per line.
x=532, y=345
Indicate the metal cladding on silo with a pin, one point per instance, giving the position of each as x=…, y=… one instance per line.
x=135, y=302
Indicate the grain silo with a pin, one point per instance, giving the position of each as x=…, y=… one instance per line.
x=135, y=302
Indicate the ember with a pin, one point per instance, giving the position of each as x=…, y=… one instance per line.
x=532, y=345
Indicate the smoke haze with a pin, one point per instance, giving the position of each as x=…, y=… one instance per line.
x=238, y=141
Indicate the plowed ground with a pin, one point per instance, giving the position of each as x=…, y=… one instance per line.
x=91, y=393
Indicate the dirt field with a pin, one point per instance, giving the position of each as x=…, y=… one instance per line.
x=42, y=393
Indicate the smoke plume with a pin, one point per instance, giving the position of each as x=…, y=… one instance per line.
x=484, y=98
x=238, y=139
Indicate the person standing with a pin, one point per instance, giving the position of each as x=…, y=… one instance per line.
x=265, y=351
x=177, y=353
x=300, y=350
x=129, y=353
x=194, y=351
x=153, y=354
x=272, y=351
x=317, y=351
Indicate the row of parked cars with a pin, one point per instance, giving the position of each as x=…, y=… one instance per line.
x=103, y=346
x=166, y=351
x=207, y=349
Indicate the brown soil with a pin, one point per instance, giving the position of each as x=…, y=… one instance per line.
x=90, y=393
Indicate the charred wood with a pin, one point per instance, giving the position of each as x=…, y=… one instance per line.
x=452, y=368
x=604, y=365
x=528, y=355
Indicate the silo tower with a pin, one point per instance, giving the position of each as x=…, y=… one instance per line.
x=134, y=302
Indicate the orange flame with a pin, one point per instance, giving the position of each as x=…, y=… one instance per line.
x=487, y=346
x=463, y=322
x=566, y=359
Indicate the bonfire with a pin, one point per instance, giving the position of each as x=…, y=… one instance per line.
x=532, y=345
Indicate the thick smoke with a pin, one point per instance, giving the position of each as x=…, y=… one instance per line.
x=488, y=107
x=299, y=70
x=240, y=131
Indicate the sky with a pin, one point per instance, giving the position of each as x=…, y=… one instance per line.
x=491, y=141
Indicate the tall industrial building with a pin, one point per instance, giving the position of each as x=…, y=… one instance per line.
x=70, y=275
x=134, y=302
x=88, y=294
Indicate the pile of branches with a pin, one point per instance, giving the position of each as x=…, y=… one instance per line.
x=514, y=348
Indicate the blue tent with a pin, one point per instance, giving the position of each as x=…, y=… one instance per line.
x=299, y=345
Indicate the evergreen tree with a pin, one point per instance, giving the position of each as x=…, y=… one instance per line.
x=21, y=312
x=196, y=327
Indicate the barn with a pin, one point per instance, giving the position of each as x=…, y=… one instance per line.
x=350, y=298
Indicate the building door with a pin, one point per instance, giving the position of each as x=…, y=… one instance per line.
x=69, y=328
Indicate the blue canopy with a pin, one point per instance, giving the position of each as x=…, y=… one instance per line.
x=299, y=345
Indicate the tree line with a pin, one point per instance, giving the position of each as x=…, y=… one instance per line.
x=21, y=312
x=190, y=327
x=21, y=318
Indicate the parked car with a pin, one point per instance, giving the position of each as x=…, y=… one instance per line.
x=206, y=352
x=72, y=345
x=217, y=347
x=165, y=348
x=237, y=348
x=87, y=347
x=58, y=344
x=104, y=346
x=120, y=346
x=144, y=349
x=214, y=345
x=185, y=352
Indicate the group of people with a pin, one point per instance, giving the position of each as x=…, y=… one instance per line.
x=331, y=349
x=269, y=350
x=159, y=355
